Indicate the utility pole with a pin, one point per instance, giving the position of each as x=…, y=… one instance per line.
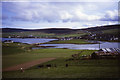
x=99, y=45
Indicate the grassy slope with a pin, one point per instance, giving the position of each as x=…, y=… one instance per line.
x=35, y=33
x=41, y=34
x=78, y=69
x=14, y=48
x=111, y=31
x=70, y=35
x=73, y=41
x=12, y=59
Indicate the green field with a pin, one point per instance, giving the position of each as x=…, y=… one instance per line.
x=73, y=41
x=76, y=69
x=10, y=60
x=15, y=54
x=14, y=48
x=71, y=35
x=24, y=34
x=111, y=31
x=41, y=34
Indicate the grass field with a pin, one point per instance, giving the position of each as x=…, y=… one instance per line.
x=73, y=41
x=76, y=69
x=10, y=60
x=42, y=34
x=14, y=48
x=24, y=34
x=111, y=31
x=15, y=54
x=71, y=35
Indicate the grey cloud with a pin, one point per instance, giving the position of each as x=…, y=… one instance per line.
x=51, y=12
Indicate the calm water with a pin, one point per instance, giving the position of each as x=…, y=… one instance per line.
x=29, y=40
x=69, y=46
x=86, y=46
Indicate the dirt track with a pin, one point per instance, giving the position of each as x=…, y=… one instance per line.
x=28, y=64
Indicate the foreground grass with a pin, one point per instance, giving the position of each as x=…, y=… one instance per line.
x=73, y=41
x=11, y=59
x=79, y=69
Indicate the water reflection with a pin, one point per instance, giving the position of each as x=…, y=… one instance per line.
x=28, y=40
x=69, y=46
x=86, y=46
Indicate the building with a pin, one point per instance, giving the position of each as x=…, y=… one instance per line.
x=66, y=38
x=106, y=53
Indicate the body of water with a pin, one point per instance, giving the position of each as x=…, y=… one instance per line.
x=29, y=40
x=68, y=46
x=86, y=46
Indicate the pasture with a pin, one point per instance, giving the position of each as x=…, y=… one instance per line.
x=76, y=68
x=14, y=54
x=79, y=69
x=73, y=41
x=42, y=34
x=111, y=31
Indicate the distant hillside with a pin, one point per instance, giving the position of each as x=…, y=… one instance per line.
x=101, y=28
x=57, y=30
x=63, y=30
x=50, y=30
x=112, y=30
x=14, y=30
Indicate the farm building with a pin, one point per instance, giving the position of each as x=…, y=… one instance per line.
x=106, y=53
x=66, y=38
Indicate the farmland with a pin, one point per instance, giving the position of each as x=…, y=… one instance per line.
x=111, y=31
x=102, y=33
x=76, y=69
x=11, y=56
x=41, y=34
x=73, y=41
x=81, y=67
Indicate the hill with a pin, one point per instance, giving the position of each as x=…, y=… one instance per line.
x=101, y=28
x=63, y=30
x=107, y=31
x=49, y=30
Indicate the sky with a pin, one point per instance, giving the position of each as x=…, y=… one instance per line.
x=62, y=14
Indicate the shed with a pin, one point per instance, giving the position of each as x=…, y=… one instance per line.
x=106, y=53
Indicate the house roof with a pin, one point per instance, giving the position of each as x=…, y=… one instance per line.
x=108, y=51
x=111, y=50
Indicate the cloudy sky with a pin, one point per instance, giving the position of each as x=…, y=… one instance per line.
x=75, y=15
